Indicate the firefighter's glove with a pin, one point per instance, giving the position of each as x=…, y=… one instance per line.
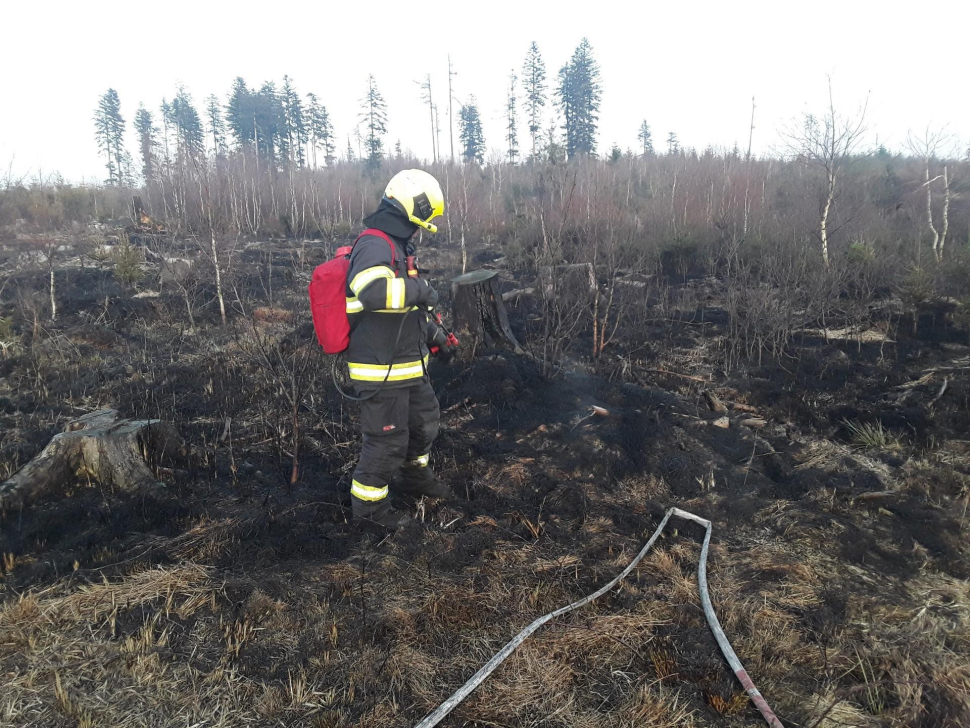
x=428, y=296
x=443, y=346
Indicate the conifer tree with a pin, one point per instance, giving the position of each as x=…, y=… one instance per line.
x=374, y=116
x=646, y=138
x=166, y=114
x=534, y=81
x=319, y=130
x=188, y=125
x=470, y=132
x=217, y=125
x=147, y=141
x=294, y=122
x=269, y=116
x=240, y=113
x=109, y=132
x=673, y=146
x=511, y=134
x=579, y=95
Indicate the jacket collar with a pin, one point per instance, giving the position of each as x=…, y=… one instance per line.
x=390, y=220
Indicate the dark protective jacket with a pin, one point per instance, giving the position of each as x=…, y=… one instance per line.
x=383, y=300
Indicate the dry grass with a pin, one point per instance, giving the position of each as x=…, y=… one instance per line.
x=265, y=314
x=663, y=660
x=529, y=684
x=655, y=707
x=379, y=636
x=185, y=590
x=73, y=653
x=831, y=711
x=873, y=435
x=729, y=706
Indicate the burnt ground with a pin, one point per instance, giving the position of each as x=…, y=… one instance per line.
x=237, y=598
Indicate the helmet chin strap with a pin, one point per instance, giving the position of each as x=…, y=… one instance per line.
x=425, y=224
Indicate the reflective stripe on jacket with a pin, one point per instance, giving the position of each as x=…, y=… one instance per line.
x=377, y=298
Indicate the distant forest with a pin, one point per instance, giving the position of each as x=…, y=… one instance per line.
x=280, y=129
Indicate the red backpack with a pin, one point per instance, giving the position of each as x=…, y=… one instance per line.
x=328, y=296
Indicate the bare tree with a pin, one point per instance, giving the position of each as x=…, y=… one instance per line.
x=288, y=362
x=926, y=147
x=463, y=214
x=46, y=247
x=563, y=300
x=451, y=125
x=426, y=97
x=828, y=145
x=606, y=260
x=205, y=199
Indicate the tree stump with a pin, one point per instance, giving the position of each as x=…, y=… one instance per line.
x=477, y=308
x=98, y=446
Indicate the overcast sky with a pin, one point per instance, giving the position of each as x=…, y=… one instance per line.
x=690, y=67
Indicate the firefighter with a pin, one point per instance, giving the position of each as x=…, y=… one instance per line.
x=391, y=334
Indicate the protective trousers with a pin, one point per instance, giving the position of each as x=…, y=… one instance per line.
x=399, y=425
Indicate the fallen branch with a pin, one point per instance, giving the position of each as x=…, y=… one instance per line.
x=875, y=495
x=925, y=379
x=957, y=365
x=512, y=296
x=755, y=423
x=595, y=411
x=743, y=408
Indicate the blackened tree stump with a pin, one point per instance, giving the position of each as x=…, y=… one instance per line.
x=478, y=311
x=99, y=446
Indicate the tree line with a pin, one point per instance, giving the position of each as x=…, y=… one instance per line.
x=248, y=167
x=281, y=128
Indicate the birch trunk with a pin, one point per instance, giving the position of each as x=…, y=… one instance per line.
x=929, y=213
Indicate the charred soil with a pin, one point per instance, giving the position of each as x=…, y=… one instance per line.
x=838, y=491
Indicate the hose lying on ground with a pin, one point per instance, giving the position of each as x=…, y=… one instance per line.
x=489, y=667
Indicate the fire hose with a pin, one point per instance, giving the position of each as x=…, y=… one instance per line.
x=489, y=667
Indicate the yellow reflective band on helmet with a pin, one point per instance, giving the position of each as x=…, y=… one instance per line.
x=366, y=277
x=377, y=372
x=368, y=492
x=421, y=461
x=354, y=306
x=396, y=293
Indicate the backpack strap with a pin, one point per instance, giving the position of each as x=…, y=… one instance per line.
x=384, y=236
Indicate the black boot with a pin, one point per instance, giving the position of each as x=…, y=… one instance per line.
x=378, y=515
x=415, y=480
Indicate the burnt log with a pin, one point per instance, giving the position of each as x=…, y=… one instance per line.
x=478, y=310
x=101, y=447
x=714, y=402
x=514, y=296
